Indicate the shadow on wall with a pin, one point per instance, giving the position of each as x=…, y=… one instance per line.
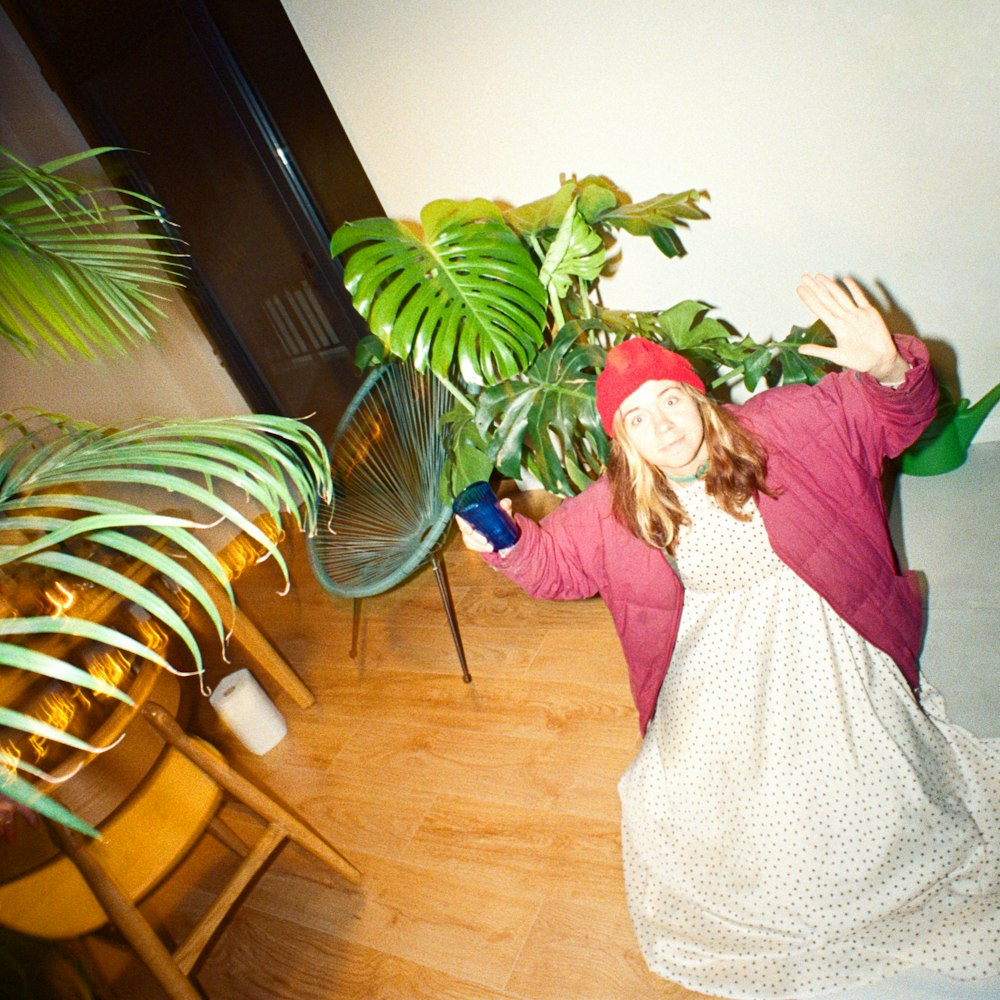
x=943, y=357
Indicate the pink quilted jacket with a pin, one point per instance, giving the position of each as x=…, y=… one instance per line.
x=825, y=446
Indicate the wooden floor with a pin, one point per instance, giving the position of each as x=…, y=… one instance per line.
x=484, y=816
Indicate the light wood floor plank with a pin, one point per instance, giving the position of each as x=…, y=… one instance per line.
x=321, y=968
x=413, y=913
x=579, y=952
x=430, y=917
x=561, y=775
x=252, y=959
x=427, y=647
x=521, y=850
x=591, y=656
x=517, y=707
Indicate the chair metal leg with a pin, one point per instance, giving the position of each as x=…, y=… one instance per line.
x=356, y=628
x=449, y=609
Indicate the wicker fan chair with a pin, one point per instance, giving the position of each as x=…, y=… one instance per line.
x=388, y=516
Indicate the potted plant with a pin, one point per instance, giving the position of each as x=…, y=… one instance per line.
x=79, y=272
x=503, y=305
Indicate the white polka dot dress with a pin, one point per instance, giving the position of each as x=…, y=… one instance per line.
x=794, y=823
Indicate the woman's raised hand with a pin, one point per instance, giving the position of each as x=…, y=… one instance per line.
x=864, y=343
x=471, y=538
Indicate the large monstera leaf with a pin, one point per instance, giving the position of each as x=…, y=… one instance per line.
x=461, y=291
x=547, y=419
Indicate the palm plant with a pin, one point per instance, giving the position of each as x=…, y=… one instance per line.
x=78, y=274
x=503, y=305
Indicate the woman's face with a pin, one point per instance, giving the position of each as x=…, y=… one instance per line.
x=663, y=422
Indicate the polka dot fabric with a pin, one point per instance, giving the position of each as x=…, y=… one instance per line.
x=794, y=823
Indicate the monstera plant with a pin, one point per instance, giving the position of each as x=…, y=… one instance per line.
x=503, y=305
x=87, y=509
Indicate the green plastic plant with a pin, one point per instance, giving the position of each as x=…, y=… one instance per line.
x=86, y=505
x=504, y=306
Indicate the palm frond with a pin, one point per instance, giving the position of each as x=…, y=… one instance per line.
x=59, y=521
x=80, y=265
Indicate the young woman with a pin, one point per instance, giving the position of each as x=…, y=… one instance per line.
x=801, y=817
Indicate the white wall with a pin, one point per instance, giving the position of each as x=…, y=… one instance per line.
x=857, y=136
x=176, y=375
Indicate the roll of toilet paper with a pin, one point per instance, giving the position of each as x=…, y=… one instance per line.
x=245, y=708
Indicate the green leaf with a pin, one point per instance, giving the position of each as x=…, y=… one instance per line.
x=22, y=791
x=576, y=251
x=46, y=524
x=658, y=217
x=547, y=418
x=18, y=720
x=755, y=365
x=103, y=576
x=277, y=461
x=790, y=366
x=596, y=197
x=596, y=200
x=622, y=324
x=667, y=241
x=370, y=352
x=102, y=508
x=469, y=461
x=679, y=324
x=48, y=625
x=54, y=531
x=538, y=216
x=75, y=274
x=795, y=368
x=463, y=292
x=169, y=568
x=37, y=662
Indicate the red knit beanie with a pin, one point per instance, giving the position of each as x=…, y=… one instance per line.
x=631, y=364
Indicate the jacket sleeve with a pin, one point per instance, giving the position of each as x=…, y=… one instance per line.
x=876, y=421
x=559, y=557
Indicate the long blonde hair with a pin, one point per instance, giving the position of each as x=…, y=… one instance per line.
x=643, y=498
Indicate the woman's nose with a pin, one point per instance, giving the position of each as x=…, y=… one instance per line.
x=661, y=420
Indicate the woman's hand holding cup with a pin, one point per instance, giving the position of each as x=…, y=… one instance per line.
x=486, y=523
x=474, y=540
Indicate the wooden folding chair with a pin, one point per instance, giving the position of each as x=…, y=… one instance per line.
x=94, y=882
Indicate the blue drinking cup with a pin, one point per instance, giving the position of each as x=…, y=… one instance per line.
x=478, y=505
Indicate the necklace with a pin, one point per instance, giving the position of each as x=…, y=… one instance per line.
x=699, y=474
